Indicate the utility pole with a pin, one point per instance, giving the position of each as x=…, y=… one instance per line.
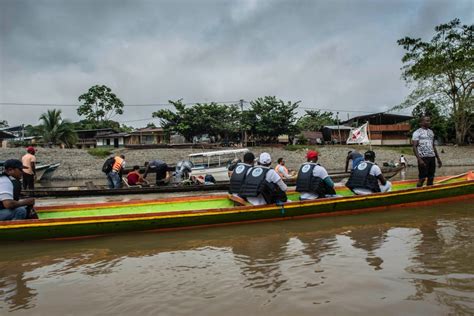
x=243, y=135
x=338, y=129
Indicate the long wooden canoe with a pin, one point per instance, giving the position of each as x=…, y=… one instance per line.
x=102, y=190
x=66, y=221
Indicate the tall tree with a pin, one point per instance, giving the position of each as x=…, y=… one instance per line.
x=269, y=117
x=218, y=120
x=56, y=130
x=314, y=120
x=3, y=123
x=100, y=104
x=443, y=70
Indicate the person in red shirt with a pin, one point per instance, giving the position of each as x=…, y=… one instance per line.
x=134, y=177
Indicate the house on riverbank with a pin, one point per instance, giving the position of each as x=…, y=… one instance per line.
x=385, y=128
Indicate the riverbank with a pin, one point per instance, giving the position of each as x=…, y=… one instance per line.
x=79, y=164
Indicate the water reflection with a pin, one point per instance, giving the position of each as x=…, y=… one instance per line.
x=325, y=265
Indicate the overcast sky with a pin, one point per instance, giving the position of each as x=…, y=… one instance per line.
x=331, y=54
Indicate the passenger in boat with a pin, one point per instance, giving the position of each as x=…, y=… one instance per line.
x=262, y=185
x=135, y=178
x=232, y=166
x=366, y=177
x=355, y=157
x=240, y=171
x=162, y=170
x=11, y=207
x=114, y=177
x=282, y=170
x=29, y=174
x=425, y=152
x=313, y=180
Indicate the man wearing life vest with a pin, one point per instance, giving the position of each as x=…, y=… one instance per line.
x=313, y=180
x=262, y=185
x=282, y=170
x=239, y=172
x=11, y=207
x=366, y=176
x=114, y=177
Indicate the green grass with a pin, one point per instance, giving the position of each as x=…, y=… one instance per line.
x=100, y=152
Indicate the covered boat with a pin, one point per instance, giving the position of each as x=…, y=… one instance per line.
x=65, y=221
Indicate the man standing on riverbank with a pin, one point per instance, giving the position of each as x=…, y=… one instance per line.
x=425, y=152
x=29, y=161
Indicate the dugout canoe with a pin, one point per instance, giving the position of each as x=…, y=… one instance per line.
x=79, y=191
x=70, y=221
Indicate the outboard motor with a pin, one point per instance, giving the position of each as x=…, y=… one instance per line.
x=183, y=169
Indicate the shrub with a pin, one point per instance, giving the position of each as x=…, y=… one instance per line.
x=100, y=152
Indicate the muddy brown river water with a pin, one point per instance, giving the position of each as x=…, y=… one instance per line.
x=409, y=261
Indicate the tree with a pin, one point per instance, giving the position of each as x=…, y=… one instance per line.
x=218, y=120
x=269, y=118
x=100, y=104
x=3, y=123
x=434, y=111
x=56, y=130
x=314, y=120
x=443, y=70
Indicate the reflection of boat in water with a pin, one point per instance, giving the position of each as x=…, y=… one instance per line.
x=44, y=172
x=215, y=162
x=62, y=221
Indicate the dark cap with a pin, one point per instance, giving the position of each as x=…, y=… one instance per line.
x=14, y=164
x=369, y=155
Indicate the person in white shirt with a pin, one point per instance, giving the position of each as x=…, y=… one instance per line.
x=366, y=176
x=425, y=152
x=262, y=185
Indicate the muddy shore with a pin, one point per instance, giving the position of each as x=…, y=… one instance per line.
x=79, y=164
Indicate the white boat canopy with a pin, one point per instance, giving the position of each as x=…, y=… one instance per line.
x=219, y=152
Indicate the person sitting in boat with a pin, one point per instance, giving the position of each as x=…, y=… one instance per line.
x=366, y=177
x=313, y=180
x=262, y=185
x=355, y=157
x=11, y=207
x=282, y=170
x=240, y=171
x=135, y=178
x=162, y=170
x=232, y=166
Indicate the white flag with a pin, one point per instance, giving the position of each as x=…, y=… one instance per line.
x=359, y=135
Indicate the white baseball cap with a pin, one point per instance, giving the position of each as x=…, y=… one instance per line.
x=265, y=158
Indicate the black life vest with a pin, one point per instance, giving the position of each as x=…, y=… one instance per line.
x=361, y=178
x=16, y=189
x=237, y=177
x=254, y=182
x=306, y=182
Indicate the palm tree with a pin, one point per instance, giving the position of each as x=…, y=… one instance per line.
x=56, y=130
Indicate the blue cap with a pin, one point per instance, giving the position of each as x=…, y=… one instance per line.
x=13, y=164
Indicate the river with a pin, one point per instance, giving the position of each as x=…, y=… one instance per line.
x=409, y=261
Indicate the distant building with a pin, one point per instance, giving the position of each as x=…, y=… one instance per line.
x=87, y=137
x=385, y=128
x=5, y=137
x=115, y=140
x=335, y=134
x=147, y=137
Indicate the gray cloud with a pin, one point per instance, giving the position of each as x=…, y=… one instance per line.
x=332, y=54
